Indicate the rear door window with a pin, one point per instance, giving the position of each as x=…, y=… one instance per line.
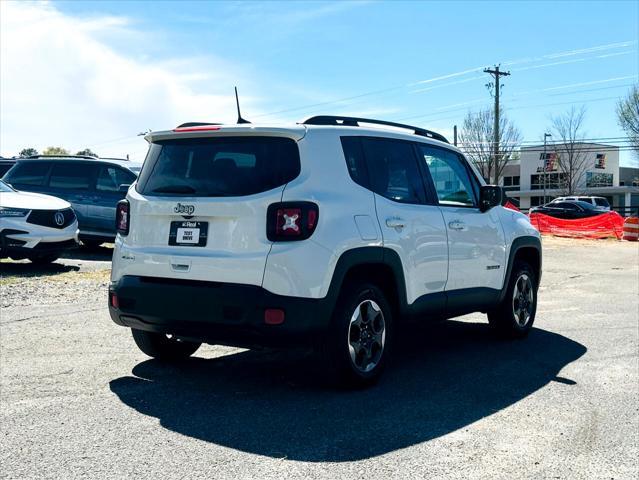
x=219, y=166
x=394, y=173
x=4, y=168
x=110, y=178
x=72, y=176
x=29, y=173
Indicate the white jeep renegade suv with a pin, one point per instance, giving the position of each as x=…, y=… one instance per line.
x=330, y=232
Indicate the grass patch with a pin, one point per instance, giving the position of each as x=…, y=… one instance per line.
x=72, y=276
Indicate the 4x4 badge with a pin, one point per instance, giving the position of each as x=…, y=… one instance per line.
x=184, y=209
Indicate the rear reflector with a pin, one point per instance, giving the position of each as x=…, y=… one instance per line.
x=273, y=316
x=197, y=128
x=114, y=301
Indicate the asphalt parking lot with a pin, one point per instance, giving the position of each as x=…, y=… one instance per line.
x=79, y=400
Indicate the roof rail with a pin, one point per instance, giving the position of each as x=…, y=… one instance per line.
x=196, y=124
x=114, y=158
x=355, y=121
x=86, y=157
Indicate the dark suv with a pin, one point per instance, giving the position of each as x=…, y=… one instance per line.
x=6, y=164
x=93, y=186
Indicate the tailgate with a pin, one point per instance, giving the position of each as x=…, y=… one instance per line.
x=199, y=210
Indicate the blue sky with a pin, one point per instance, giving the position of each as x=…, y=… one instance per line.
x=140, y=65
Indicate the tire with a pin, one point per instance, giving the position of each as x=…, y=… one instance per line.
x=515, y=315
x=356, y=348
x=44, y=259
x=162, y=347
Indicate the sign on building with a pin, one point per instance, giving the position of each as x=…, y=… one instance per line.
x=550, y=162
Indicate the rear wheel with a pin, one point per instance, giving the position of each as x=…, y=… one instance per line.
x=44, y=259
x=356, y=349
x=515, y=315
x=162, y=346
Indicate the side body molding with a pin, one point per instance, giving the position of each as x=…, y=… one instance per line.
x=436, y=305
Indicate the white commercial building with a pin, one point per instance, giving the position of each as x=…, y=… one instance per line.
x=540, y=170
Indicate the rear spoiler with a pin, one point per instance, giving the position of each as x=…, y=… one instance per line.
x=202, y=130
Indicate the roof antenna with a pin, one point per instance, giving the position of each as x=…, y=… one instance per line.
x=239, y=115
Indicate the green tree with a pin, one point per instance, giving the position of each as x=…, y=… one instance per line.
x=628, y=116
x=87, y=152
x=55, y=151
x=27, y=152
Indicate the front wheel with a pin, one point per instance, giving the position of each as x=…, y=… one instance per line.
x=162, y=346
x=515, y=315
x=356, y=348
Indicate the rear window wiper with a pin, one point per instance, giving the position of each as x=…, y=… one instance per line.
x=174, y=189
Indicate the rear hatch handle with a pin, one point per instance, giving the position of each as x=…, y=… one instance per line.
x=180, y=265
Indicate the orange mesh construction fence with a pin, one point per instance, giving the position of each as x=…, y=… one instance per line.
x=609, y=224
x=510, y=205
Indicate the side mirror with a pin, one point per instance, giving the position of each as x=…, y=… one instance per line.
x=124, y=187
x=490, y=196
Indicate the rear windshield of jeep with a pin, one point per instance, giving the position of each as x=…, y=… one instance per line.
x=218, y=166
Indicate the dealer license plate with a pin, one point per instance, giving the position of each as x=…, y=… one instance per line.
x=188, y=233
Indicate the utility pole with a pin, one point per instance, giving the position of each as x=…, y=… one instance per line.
x=546, y=135
x=496, y=74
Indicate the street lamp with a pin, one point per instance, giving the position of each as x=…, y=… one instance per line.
x=546, y=135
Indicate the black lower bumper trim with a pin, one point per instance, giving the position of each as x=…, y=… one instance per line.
x=15, y=249
x=217, y=313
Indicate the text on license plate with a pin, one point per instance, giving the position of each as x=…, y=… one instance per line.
x=188, y=235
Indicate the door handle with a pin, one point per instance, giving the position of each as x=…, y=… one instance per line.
x=456, y=225
x=395, y=222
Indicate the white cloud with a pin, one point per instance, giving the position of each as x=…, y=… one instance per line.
x=61, y=83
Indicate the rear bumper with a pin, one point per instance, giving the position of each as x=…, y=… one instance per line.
x=217, y=313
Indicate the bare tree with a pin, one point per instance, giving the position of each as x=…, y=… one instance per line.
x=572, y=156
x=628, y=116
x=476, y=137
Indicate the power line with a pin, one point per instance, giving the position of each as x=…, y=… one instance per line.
x=591, y=90
x=522, y=107
x=563, y=103
x=455, y=74
x=590, y=146
x=609, y=140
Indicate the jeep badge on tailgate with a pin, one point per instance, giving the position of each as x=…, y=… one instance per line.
x=185, y=209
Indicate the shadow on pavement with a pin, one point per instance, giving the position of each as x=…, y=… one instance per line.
x=103, y=252
x=28, y=269
x=442, y=379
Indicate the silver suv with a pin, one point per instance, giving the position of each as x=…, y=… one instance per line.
x=93, y=186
